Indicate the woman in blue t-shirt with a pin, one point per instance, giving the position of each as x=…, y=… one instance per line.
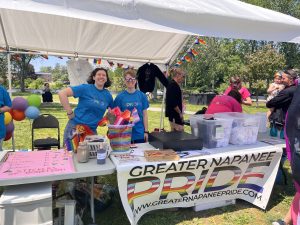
x=5, y=104
x=93, y=100
x=130, y=99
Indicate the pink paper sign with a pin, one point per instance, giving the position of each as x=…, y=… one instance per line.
x=36, y=163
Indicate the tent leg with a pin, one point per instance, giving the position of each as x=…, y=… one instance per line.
x=161, y=124
x=10, y=93
x=9, y=75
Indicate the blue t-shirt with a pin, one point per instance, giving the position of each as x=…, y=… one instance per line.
x=138, y=100
x=4, y=101
x=92, y=104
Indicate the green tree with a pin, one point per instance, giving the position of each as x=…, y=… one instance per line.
x=117, y=79
x=261, y=65
x=36, y=84
x=21, y=64
x=3, y=68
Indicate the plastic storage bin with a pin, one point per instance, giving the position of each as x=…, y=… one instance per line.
x=244, y=127
x=27, y=204
x=263, y=122
x=215, y=133
x=193, y=123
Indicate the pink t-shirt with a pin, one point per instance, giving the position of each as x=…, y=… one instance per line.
x=243, y=91
x=223, y=103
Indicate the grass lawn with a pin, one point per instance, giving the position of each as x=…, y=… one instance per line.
x=239, y=214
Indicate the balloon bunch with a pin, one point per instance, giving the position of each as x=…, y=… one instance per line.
x=116, y=117
x=21, y=108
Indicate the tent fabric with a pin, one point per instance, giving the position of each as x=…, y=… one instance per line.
x=135, y=30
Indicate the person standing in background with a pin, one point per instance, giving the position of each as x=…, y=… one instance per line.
x=130, y=99
x=93, y=101
x=47, y=95
x=5, y=104
x=174, y=109
x=236, y=84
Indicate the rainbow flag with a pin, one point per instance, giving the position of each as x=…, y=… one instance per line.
x=97, y=61
x=187, y=58
x=201, y=41
x=194, y=52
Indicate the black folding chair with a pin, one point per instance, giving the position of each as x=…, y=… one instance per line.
x=45, y=121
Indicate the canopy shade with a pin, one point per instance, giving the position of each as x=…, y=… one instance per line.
x=135, y=30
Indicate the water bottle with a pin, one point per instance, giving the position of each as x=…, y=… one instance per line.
x=101, y=153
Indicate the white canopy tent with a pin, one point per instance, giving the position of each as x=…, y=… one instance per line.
x=135, y=30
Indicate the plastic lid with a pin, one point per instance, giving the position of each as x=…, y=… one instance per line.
x=26, y=193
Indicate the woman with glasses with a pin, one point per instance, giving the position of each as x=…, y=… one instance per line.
x=132, y=98
x=236, y=84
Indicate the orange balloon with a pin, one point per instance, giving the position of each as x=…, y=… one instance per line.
x=18, y=115
x=8, y=136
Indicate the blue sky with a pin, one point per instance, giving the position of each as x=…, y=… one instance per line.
x=51, y=61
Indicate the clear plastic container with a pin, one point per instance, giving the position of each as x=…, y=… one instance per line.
x=215, y=133
x=194, y=125
x=244, y=127
x=263, y=122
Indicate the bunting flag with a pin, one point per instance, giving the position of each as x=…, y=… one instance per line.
x=120, y=65
x=191, y=53
x=97, y=61
x=187, y=58
x=45, y=56
x=202, y=41
x=194, y=52
x=111, y=63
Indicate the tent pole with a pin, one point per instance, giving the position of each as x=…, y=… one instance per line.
x=10, y=92
x=9, y=74
x=161, y=124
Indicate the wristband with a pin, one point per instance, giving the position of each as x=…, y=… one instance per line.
x=146, y=132
x=69, y=114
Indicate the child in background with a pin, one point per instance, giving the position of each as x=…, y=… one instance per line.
x=274, y=89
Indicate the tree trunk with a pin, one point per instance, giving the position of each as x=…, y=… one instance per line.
x=22, y=83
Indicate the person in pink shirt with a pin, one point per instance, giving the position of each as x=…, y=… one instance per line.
x=226, y=103
x=236, y=83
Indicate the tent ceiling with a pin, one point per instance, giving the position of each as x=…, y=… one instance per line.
x=137, y=30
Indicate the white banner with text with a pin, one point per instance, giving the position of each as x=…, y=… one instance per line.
x=246, y=174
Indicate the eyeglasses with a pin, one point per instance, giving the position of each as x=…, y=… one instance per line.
x=130, y=79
